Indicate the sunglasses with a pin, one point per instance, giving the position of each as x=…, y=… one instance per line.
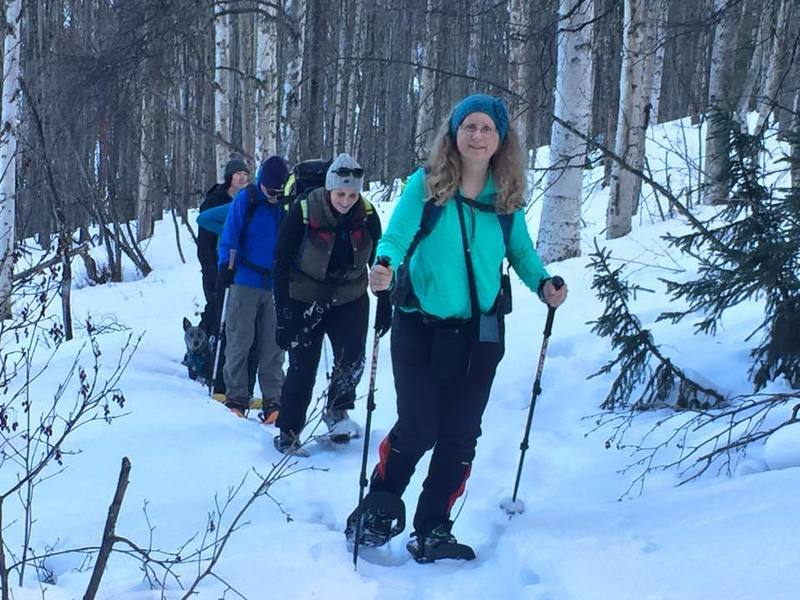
x=347, y=172
x=274, y=193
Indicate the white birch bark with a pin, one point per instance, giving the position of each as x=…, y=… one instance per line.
x=717, y=159
x=425, y=129
x=8, y=152
x=222, y=100
x=248, y=40
x=625, y=187
x=559, y=228
x=766, y=100
x=518, y=72
x=755, y=67
x=474, y=44
x=794, y=146
x=658, y=59
x=144, y=201
x=295, y=10
x=268, y=93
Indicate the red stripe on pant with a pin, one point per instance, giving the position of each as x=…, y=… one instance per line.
x=383, y=456
x=454, y=496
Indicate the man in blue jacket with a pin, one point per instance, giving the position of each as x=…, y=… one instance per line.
x=246, y=255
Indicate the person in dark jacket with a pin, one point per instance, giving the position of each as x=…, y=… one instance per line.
x=325, y=245
x=245, y=259
x=235, y=178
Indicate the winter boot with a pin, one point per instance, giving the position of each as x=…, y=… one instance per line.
x=238, y=406
x=383, y=516
x=269, y=411
x=341, y=428
x=437, y=544
x=286, y=443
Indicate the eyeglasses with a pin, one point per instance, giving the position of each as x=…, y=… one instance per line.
x=347, y=172
x=474, y=128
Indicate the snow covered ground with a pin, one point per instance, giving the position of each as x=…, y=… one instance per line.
x=580, y=538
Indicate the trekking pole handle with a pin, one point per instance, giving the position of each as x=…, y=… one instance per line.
x=383, y=261
x=558, y=283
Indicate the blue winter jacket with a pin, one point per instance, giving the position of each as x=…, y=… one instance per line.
x=259, y=241
x=213, y=219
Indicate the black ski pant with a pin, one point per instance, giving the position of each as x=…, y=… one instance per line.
x=442, y=377
x=346, y=327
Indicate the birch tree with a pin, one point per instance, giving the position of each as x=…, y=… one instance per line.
x=637, y=45
x=222, y=76
x=717, y=160
x=559, y=228
x=658, y=59
x=144, y=200
x=519, y=80
x=755, y=67
x=295, y=14
x=427, y=78
x=8, y=152
x=268, y=94
x=774, y=65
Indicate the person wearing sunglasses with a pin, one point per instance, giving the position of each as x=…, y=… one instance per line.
x=448, y=330
x=325, y=246
x=246, y=255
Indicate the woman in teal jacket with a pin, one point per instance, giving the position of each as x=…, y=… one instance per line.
x=454, y=223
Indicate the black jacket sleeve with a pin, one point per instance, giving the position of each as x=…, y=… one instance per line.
x=375, y=231
x=290, y=236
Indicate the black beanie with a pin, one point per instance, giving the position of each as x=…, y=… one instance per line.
x=234, y=165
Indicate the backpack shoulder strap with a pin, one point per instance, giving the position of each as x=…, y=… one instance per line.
x=252, y=201
x=506, y=221
x=304, y=209
x=368, y=208
x=430, y=215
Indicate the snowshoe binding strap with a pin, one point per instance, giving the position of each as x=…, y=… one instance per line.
x=383, y=516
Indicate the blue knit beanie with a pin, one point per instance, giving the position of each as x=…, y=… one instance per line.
x=491, y=105
x=273, y=173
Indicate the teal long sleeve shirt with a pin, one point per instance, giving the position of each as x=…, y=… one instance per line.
x=438, y=271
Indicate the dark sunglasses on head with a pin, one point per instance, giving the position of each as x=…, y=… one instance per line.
x=347, y=172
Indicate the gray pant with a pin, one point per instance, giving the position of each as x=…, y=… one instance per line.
x=251, y=312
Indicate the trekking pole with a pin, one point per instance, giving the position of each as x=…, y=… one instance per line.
x=231, y=266
x=219, y=342
x=513, y=507
x=373, y=370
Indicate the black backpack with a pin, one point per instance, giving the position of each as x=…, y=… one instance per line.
x=308, y=175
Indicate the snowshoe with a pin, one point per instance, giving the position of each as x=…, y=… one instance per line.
x=383, y=516
x=341, y=428
x=269, y=412
x=438, y=544
x=286, y=443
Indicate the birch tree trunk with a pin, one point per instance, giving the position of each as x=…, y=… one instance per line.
x=222, y=76
x=8, y=153
x=658, y=59
x=766, y=100
x=295, y=12
x=559, y=228
x=755, y=68
x=519, y=80
x=248, y=41
x=717, y=160
x=794, y=144
x=144, y=199
x=268, y=94
x=637, y=46
x=427, y=86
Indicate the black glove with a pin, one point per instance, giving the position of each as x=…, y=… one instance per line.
x=286, y=331
x=383, y=314
x=225, y=276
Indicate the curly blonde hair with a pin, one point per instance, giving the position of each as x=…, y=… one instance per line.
x=444, y=170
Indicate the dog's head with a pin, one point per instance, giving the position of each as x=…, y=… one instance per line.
x=195, y=337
